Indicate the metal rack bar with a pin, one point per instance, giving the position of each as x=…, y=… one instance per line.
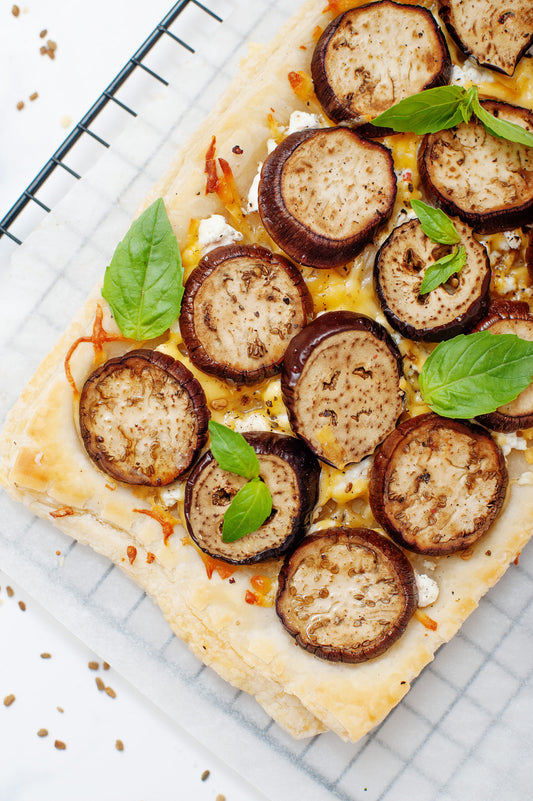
x=83, y=126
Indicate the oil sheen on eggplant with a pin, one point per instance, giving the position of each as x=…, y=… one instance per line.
x=143, y=418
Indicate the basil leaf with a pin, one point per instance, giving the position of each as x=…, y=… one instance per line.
x=442, y=269
x=143, y=284
x=435, y=223
x=428, y=111
x=503, y=129
x=474, y=374
x=247, y=511
x=232, y=452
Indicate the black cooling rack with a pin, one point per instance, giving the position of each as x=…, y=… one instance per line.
x=136, y=62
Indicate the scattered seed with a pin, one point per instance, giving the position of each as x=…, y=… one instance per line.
x=60, y=709
x=205, y=775
x=34, y=96
x=46, y=655
x=43, y=33
x=110, y=692
x=8, y=700
x=51, y=44
x=99, y=683
x=119, y=745
x=22, y=605
x=60, y=745
x=15, y=11
x=93, y=665
x=106, y=666
x=43, y=49
x=221, y=797
x=10, y=591
x=42, y=733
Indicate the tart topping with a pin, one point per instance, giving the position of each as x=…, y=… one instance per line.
x=510, y=317
x=437, y=485
x=143, y=417
x=371, y=57
x=241, y=306
x=291, y=473
x=323, y=193
x=346, y=594
x=483, y=179
x=341, y=385
x=450, y=308
x=495, y=32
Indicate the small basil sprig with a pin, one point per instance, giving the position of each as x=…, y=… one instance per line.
x=444, y=107
x=439, y=228
x=252, y=504
x=474, y=374
x=143, y=284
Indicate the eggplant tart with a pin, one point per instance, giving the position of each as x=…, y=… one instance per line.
x=304, y=328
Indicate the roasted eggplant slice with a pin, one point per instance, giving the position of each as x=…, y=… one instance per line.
x=341, y=386
x=371, y=57
x=290, y=471
x=484, y=180
x=241, y=307
x=449, y=309
x=324, y=192
x=143, y=417
x=437, y=485
x=510, y=317
x=346, y=594
x=495, y=32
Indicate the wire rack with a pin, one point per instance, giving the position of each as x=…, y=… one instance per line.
x=83, y=129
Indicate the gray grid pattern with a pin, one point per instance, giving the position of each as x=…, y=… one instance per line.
x=465, y=729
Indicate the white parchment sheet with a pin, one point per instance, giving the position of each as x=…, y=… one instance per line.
x=465, y=731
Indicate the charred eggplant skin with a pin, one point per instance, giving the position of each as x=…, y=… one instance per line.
x=500, y=310
x=207, y=266
x=372, y=542
x=293, y=236
x=313, y=335
x=138, y=360
x=500, y=218
x=339, y=111
x=421, y=429
x=306, y=470
x=453, y=324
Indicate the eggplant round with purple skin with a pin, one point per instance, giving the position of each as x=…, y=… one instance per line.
x=341, y=386
x=448, y=309
x=437, y=485
x=346, y=595
x=510, y=317
x=324, y=192
x=495, y=32
x=373, y=56
x=143, y=418
x=290, y=471
x=485, y=181
x=240, y=308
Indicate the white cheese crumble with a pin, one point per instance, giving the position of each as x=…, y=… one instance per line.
x=214, y=232
x=525, y=479
x=253, y=194
x=470, y=71
x=510, y=442
x=300, y=120
x=513, y=239
x=172, y=494
x=255, y=421
x=428, y=589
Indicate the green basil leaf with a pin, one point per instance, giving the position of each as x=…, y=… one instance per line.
x=442, y=269
x=503, y=129
x=428, y=111
x=474, y=374
x=435, y=223
x=143, y=284
x=232, y=452
x=247, y=511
